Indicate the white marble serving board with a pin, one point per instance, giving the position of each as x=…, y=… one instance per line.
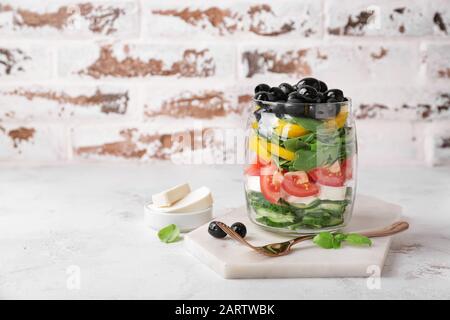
x=232, y=260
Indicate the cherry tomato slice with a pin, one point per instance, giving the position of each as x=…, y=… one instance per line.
x=268, y=170
x=326, y=177
x=293, y=188
x=270, y=189
x=270, y=182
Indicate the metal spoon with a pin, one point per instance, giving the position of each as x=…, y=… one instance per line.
x=283, y=248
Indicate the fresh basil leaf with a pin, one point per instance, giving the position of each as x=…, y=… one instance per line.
x=308, y=124
x=340, y=236
x=358, y=240
x=336, y=244
x=170, y=233
x=324, y=240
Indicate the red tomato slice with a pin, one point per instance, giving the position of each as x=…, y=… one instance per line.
x=347, y=168
x=253, y=170
x=270, y=189
x=268, y=170
x=327, y=178
x=293, y=188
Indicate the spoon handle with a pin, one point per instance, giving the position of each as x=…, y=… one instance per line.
x=301, y=238
x=394, y=228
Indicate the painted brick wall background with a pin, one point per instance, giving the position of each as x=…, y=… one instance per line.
x=113, y=80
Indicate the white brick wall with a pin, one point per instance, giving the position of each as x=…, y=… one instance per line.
x=111, y=79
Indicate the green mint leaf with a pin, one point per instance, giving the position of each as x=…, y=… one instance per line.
x=168, y=234
x=324, y=240
x=357, y=240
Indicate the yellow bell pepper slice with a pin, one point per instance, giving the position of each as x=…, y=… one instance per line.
x=260, y=149
x=255, y=124
x=289, y=130
x=340, y=119
x=281, y=152
x=265, y=150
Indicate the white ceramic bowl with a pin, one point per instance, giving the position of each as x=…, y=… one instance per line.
x=185, y=221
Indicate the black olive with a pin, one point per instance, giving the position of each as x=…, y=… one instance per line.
x=312, y=82
x=262, y=87
x=216, y=231
x=286, y=88
x=296, y=97
x=323, y=86
x=321, y=97
x=295, y=105
x=261, y=96
x=278, y=93
x=308, y=92
x=239, y=228
x=334, y=95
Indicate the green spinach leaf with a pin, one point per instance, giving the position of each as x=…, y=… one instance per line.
x=304, y=160
x=308, y=124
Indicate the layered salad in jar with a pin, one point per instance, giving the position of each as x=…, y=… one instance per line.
x=301, y=154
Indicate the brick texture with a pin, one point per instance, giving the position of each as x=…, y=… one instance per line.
x=33, y=142
x=143, y=61
x=342, y=63
x=25, y=62
x=56, y=102
x=241, y=18
x=140, y=143
x=437, y=60
x=68, y=19
x=385, y=18
x=122, y=79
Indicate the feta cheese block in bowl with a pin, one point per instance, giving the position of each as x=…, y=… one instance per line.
x=185, y=221
x=188, y=213
x=198, y=199
x=168, y=197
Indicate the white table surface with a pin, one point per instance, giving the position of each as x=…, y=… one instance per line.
x=91, y=216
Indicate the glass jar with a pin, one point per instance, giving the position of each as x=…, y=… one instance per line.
x=300, y=174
